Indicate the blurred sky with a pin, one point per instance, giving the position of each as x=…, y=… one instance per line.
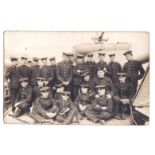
x=41, y=44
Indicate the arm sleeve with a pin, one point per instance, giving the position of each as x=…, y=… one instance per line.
x=58, y=74
x=141, y=71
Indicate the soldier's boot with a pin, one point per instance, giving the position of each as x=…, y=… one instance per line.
x=102, y=122
x=124, y=116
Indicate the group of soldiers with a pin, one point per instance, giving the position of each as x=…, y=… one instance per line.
x=73, y=89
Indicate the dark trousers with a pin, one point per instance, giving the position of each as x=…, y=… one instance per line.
x=75, y=91
x=13, y=96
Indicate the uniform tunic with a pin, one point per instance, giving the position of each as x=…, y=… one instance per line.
x=24, y=72
x=114, y=68
x=78, y=70
x=134, y=72
x=35, y=73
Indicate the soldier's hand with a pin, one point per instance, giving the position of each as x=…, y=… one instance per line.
x=109, y=96
x=97, y=96
x=78, y=71
x=103, y=108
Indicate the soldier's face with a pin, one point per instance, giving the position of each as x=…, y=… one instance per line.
x=24, y=84
x=101, y=92
x=60, y=89
x=44, y=62
x=52, y=62
x=40, y=83
x=89, y=58
x=87, y=78
x=45, y=94
x=122, y=79
x=129, y=57
x=35, y=63
x=65, y=58
x=100, y=74
x=80, y=60
x=84, y=90
x=14, y=63
x=65, y=97
x=112, y=58
x=101, y=58
x=23, y=61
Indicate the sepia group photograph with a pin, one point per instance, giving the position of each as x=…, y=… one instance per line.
x=76, y=78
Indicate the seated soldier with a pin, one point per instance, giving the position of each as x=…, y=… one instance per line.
x=36, y=89
x=45, y=106
x=83, y=100
x=87, y=80
x=102, y=79
x=101, y=109
x=67, y=109
x=24, y=98
x=123, y=96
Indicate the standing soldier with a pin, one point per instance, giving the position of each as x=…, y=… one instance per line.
x=24, y=70
x=101, y=62
x=102, y=107
x=83, y=100
x=64, y=72
x=123, y=96
x=67, y=109
x=12, y=75
x=101, y=79
x=45, y=106
x=133, y=69
x=90, y=65
x=52, y=79
x=113, y=68
x=34, y=71
x=78, y=70
x=24, y=98
x=45, y=71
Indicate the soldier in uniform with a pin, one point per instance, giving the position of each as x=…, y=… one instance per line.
x=36, y=88
x=64, y=72
x=12, y=75
x=102, y=79
x=78, y=70
x=45, y=106
x=90, y=65
x=45, y=71
x=67, y=109
x=59, y=89
x=34, y=71
x=113, y=68
x=52, y=79
x=24, y=98
x=133, y=69
x=101, y=62
x=102, y=107
x=83, y=100
x=24, y=70
x=123, y=96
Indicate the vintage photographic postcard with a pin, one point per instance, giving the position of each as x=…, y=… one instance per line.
x=76, y=78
